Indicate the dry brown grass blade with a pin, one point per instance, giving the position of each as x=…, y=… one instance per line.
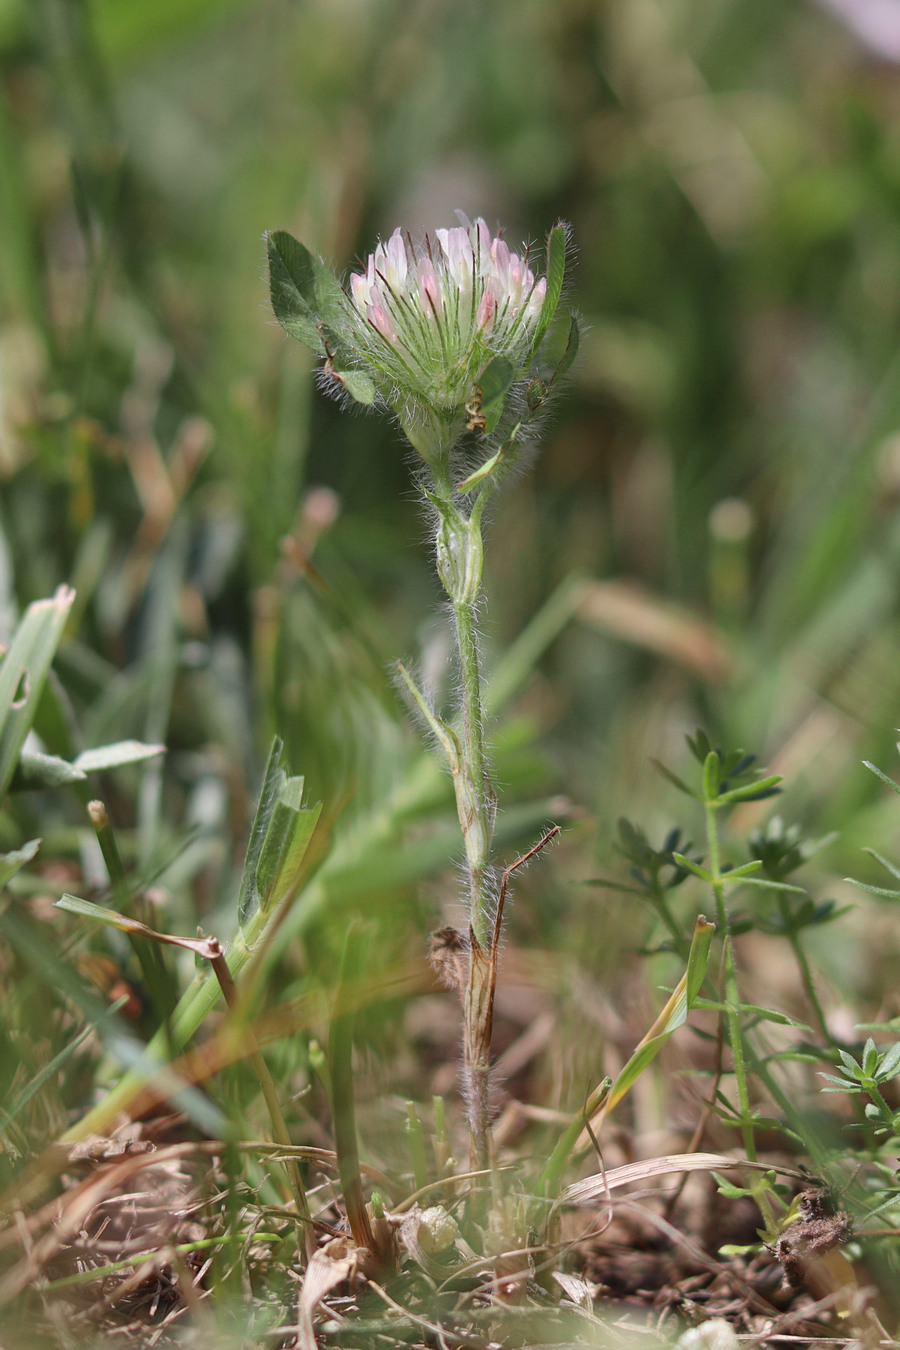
x=68, y=1213
x=628, y=610
x=46, y=1229
x=225, y=1047
x=594, y=1188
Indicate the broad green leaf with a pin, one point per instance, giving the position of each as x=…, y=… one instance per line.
x=293, y=291
x=556, y=272
x=305, y=293
x=114, y=756
x=23, y=672
x=494, y=383
x=11, y=863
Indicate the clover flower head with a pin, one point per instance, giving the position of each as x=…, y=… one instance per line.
x=431, y=314
x=440, y=331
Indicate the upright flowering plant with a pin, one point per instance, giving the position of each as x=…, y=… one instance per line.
x=450, y=334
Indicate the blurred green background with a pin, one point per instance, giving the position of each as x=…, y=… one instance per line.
x=724, y=469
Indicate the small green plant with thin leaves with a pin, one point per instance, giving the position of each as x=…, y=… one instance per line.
x=725, y=780
x=653, y=875
x=866, y=1076
x=876, y=1065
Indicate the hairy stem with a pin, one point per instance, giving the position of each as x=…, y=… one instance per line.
x=476, y=795
x=459, y=552
x=476, y=803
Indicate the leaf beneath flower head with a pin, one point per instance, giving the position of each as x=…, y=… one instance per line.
x=556, y=271
x=494, y=384
x=360, y=388
x=305, y=294
x=571, y=351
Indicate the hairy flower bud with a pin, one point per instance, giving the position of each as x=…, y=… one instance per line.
x=439, y=330
x=433, y=314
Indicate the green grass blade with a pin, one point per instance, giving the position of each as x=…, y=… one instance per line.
x=204, y=994
x=673, y=1015
x=23, y=671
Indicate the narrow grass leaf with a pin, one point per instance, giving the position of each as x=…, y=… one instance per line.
x=23, y=672
x=343, y=1105
x=53, y=1066
x=86, y=909
x=521, y=658
x=594, y=1188
x=289, y=831
x=204, y=995
x=104, y=757
x=889, y=782
x=274, y=779
x=673, y=1015
x=13, y=862
x=36, y=771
